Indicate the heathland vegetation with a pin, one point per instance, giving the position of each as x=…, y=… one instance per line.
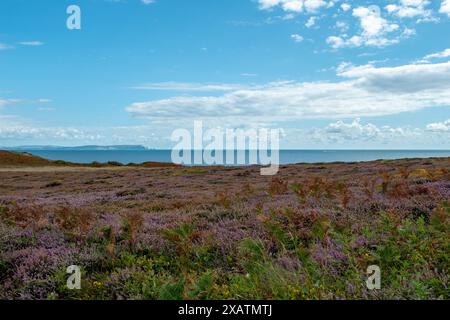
x=150, y=232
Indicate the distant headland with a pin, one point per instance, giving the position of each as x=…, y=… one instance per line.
x=81, y=148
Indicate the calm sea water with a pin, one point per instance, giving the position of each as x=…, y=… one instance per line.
x=286, y=156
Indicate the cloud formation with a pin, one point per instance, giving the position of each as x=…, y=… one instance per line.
x=15, y=131
x=4, y=102
x=357, y=132
x=439, y=126
x=346, y=6
x=311, y=22
x=410, y=9
x=34, y=43
x=373, y=26
x=297, y=38
x=338, y=134
x=434, y=78
x=363, y=91
x=438, y=55
x=445, y=7
x=373, y=30
x=309, y=6
x=183, y=86
x=4, y=46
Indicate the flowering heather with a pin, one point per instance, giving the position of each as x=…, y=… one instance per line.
x=227, y=233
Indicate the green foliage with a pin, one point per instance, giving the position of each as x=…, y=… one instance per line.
x=182, y=237
x=172, y=291
x=202, y=288
x=4, y=215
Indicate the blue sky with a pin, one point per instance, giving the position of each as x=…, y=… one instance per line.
x=331, y=74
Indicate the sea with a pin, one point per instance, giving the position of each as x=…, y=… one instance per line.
x=285, y=156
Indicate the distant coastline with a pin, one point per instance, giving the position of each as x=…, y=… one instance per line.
x=75, y=148
x=138, y=154
x=137, y=147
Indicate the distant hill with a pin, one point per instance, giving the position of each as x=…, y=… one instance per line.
x=25, y=159
x=19, y=159
x=80, y=148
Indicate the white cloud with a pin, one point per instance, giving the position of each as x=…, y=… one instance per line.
x=297, y=37
x=183, y=86
x=314, y=5
x=311, y=22
x=31, y=43
x=246, y=74
x=372, y=23
x=438, y=55
x=402, y=79
x=377, y=27
x=410, y=9
x=356, y=131
x=445, y=7
x=439, y=126
x=147, y=1
x=297, y=6
x=342, y=26
x=45, y=109
x=407, y=33
x=16, y=128
x=374, y=30
x=337, y=42
x=346, y=6
x=4, y=46
x=5, y=102
x=353, y=134
x=357, y=134
x=352, y=130
x=364, y=91
x=18, y=131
